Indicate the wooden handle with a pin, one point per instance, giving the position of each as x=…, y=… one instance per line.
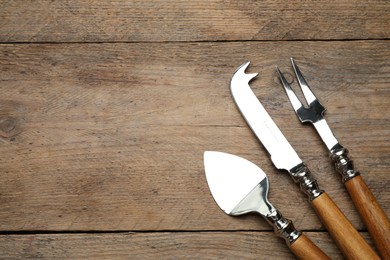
x=304, y=248
x=372, y=214
x=350, y=242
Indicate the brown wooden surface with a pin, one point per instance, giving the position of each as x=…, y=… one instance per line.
x=197, y=20
x=107, y=107
x=162, y=245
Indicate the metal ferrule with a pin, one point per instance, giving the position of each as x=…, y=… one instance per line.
x=343, y=164
x=301, y=174
x=283, y=227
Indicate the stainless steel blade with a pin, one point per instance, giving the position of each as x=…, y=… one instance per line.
x=282, y=154
x=237, y=185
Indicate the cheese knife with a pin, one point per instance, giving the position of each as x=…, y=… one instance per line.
x=284, y=157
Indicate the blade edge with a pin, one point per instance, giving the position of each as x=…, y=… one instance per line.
x=282, y=154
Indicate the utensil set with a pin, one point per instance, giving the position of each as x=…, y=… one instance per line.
x=238, y=186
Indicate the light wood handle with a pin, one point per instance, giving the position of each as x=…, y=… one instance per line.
x=350, y=242
x=372, y=214
x=370, y=211
x=304, y=248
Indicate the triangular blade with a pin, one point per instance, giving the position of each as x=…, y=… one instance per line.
x=230, y=178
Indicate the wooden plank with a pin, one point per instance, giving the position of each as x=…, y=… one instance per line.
x=198, y=20
x=111, y=136
x=165, y=245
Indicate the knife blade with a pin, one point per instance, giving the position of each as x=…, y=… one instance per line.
x=284, y=157
x=282, y=154
x=239, y=186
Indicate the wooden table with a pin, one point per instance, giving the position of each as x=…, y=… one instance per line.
x=106, y=108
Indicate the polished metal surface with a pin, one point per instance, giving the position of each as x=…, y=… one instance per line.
x=231, y=179
x=302, y=175
x=283, y=227
x=343, y=164
x=314, y=113
x=238, y=186
x=282, y=154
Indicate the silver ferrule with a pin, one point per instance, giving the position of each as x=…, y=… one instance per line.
x=343, y=164
x=301, y=174
x=283, y=227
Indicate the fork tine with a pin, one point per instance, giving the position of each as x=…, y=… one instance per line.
x=309, y=95
x=290, y=92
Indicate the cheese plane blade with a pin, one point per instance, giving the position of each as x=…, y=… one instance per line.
x=238, y=187
x=284, y=157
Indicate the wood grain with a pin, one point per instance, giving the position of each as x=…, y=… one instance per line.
x=304, y=248
x=341, y=230
x=197, y=20
x=111, y=137
x=372, y=214
x=165, y=245
x=106, y=108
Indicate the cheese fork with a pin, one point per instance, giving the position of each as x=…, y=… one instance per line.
x=372, y=214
